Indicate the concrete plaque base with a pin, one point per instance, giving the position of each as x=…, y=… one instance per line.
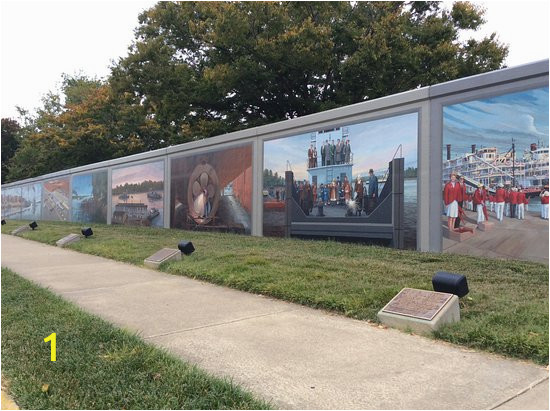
x=420, y=311
x=161, y=256
x=485, y=226
x=20, y=229
x=71, y=238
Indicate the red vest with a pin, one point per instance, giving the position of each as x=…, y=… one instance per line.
x=500, y=195
x=479, y=197
x=544, y=199
x=462, y=194
x=521, y=198
x=514, y=197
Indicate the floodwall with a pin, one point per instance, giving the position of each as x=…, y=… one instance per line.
x=492, y=129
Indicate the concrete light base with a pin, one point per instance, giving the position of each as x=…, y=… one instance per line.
x=162, y=256
x=450, y=313
x=485, y=226
x=71, y=238
x=20, y=229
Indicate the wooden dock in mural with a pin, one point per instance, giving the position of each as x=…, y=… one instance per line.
x=510, y=238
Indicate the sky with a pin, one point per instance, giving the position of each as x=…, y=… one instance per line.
x=493, y=122
x=373, y=145
x=32, y=192
x=41, y=40
x=82, y=185
x=137, y=174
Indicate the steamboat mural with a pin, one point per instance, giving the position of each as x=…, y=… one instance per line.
x=495, y=173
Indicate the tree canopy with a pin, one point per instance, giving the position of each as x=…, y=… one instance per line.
x=199, y=69
x=11, y=139
x=86, y=128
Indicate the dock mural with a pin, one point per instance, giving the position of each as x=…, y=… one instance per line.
x=56, y=200
x=498, y=148
x=89, y=197
x=213, y=191
x=138, y=195
x=341, y=172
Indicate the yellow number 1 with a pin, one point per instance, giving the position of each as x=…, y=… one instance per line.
x=51, y=338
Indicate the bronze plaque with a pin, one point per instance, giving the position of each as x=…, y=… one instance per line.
x=417, y=303
x=163, y=254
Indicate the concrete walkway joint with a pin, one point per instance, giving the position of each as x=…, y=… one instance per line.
x=215, y=325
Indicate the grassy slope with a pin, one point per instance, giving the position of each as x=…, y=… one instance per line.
x=98, y=366
x=505, y=312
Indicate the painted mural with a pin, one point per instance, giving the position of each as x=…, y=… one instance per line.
x=12, y=203
x=213, y=190
x=89, y=198
x=495, y=176
x=341, y=172
x=138, y=195
x=56, y=200
x=32, y=202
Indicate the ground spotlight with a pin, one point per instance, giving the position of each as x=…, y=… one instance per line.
x=3, y=222
x=445, y=282
x=33, y=225
x=87, y=231
x=186, y=247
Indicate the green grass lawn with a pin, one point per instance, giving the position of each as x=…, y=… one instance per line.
x=506, y=311
x=97, y=365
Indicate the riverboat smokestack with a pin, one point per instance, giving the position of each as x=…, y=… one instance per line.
x=473, y=148
x=533, y=146
x=448, y=151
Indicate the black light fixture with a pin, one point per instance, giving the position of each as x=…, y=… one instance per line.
x=3, y=222
x=33, y=225
x=87, y=232
x=445, y=282
x=186, y=247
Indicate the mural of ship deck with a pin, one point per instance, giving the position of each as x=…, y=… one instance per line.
x=334, y=195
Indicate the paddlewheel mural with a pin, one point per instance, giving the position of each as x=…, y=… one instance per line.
x=203, y=194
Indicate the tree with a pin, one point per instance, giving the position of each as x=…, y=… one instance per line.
x=11, y=138
x=204, y=68
x=199, y=69
x=272, y=179
x=90, y=126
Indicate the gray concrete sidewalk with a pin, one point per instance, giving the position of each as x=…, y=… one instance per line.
x=295, y=356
